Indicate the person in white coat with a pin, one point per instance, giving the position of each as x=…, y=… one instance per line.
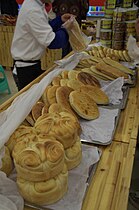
x=33, y=34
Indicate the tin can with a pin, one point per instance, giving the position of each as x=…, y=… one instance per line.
x=105, y=34
x=106, y=43
x=117, y=45
x=131, y=14
x=109, y=13
x=106, y=23
x=118, y=35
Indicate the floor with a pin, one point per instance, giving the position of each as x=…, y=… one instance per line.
x=135, y=173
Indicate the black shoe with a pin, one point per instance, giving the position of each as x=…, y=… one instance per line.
x=134, y=199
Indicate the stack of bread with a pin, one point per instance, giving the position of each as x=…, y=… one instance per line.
x=64, y=128
x=102, y=52
x=42, y=175
x=44, y=153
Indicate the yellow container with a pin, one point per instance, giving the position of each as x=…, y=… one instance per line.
x=127, y=3
x=106, y=43
x=109, y=13
x=106, y=23
x=119, y=16
x=130, y=26
x=110, y=4
x=131, y=14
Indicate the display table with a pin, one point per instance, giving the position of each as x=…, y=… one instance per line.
x=6, y=36
x=109, y=187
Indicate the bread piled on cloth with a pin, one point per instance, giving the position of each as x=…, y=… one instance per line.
x=65, y=128
x=44, y=153
x=42, y=175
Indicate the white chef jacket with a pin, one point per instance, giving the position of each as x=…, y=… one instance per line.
x=32, y=32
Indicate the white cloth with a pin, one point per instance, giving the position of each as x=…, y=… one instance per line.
x=32, y=33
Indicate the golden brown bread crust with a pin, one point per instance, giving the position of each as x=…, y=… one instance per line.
x=7, y=163
x=110, y=70
x=73, y=155
x=38, y=161
x=44, y=192
x=30, y=119
x=56, y=81
x=51, y=94
x=100, y=75
x=63, y=126
x=76, y=39
x=64, y=74
x=84, y=105
x=55, y=107
x=37, y=110
x=23, y=132
x=118, y=65
x=72, y=74
x=95, y=93
x=62, y=97
x=74, y=84
x=63, y=82
x=44, y=95
x=88, y=79
x=45, y=109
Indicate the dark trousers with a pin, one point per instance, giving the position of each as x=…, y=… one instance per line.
x=27, y=74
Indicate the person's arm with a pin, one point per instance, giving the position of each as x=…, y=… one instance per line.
x=56, y=23
x=60, y=40
x=41, y=30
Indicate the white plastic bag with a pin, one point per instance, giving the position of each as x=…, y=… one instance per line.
x=77, y=39
x=133, y=49
x=10, y=199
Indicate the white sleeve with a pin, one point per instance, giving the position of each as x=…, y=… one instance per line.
x=40, y=28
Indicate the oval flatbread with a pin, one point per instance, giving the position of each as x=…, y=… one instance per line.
x=88, y=79
x=95, y=93
x=83, y=105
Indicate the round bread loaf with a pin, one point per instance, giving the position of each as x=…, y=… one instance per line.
x=44, y=95
x=73, y=155
x=37, y=110
x=62, y=97
x=38, y=161
x=72, y=74
x=56, y=81
x=64, y=74
x=62, y=126
x=44, y=192
x=95, y=93
x=51, y=94
x=23, y=132
x=7, y=163
x=84, y=105
x=55, y=107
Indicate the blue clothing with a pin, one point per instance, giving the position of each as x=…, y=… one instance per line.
x=61, y=35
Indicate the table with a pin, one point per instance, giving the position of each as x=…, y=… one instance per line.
x=109, y=187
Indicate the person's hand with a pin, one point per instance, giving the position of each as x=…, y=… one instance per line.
x=137, y=26
x=66, y=17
